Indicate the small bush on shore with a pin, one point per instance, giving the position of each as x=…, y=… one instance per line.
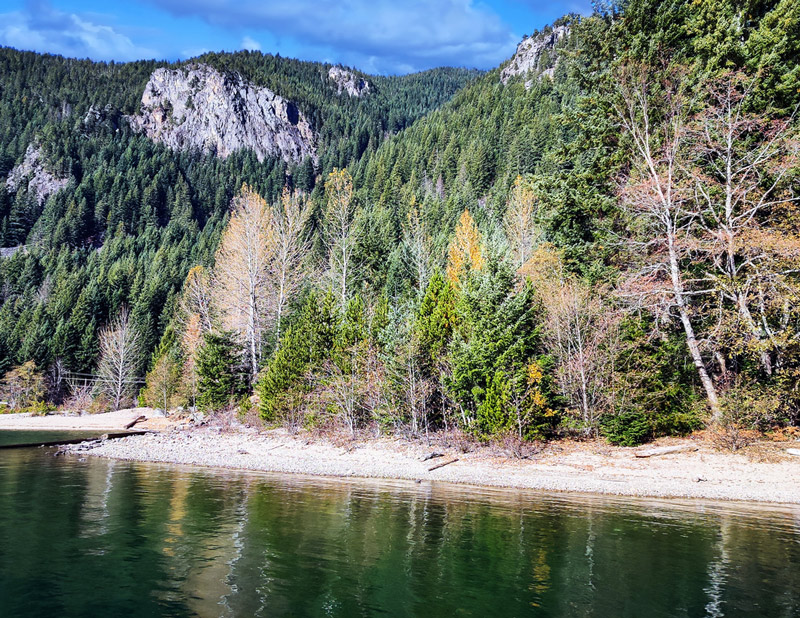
x=39, y=408
x=627, y=429
x=731, y=437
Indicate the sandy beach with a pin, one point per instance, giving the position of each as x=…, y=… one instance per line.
x=766, y=474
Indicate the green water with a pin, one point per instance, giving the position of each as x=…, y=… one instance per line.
x=100, y=538
x=21, y=436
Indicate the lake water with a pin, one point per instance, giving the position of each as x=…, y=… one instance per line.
x=101, y=538
x=23, y=436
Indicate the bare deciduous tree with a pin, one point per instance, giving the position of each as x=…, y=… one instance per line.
x=579, y=329
x=80, y=393
x=707, y=197
x=658, y=199
x=340, y=234
x=342, y=395
x=291, y=248
x=416, y=390
x=120, y=353
x=739, y=163
x=197, y=299
x=417, y=241
x=241, y=285
x=519, y=222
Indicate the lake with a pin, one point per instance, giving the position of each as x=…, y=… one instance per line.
x=100, y=538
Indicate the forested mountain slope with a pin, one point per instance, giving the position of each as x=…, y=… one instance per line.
x=599, y=235
x=154, y=212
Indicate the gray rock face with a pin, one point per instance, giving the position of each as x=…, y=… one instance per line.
x=529, y=53
x=197, y=107
x=97, y=116
x=348, y=82
x=39, y=180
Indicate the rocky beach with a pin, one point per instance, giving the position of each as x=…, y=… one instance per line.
x=677, y=468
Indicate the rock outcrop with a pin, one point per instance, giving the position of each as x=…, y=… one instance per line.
x=348, y=82
x=98, y=116
x=197, y=107
x=32, y=170
x=530, y=52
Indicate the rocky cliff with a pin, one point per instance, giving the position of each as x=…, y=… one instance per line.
x=197, y=107
x=530, y=55
x=348, y=82
x=32, y=170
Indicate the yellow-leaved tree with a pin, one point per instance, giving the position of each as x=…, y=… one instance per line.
x=465, y=253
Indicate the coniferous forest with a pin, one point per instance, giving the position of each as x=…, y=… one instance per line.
x=607, y=244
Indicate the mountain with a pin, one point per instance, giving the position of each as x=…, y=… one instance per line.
x=120, y=180
x=125, y=217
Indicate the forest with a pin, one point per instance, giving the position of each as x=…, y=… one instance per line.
x=609, y=247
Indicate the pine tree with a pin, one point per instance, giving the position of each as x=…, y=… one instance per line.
x=222, y=376
x=304, y=346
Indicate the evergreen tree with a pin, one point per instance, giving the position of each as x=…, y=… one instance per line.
x=222, y=376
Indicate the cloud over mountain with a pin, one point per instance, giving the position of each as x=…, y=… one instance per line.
x=41, y=27
x=380, y=35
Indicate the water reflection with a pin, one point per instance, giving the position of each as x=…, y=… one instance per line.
x=99, y=538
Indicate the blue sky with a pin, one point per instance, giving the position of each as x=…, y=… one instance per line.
x=376, y=36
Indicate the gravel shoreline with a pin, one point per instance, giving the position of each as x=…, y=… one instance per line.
x=109, y=421
x=563, y=467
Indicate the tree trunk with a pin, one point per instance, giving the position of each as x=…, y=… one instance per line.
x=691, y=338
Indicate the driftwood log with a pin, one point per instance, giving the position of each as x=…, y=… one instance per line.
x=138, y=419
x=793, y=451
x=442, y=465
x=432, y=456
x=666, y=450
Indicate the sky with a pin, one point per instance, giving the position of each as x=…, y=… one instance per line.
x=375, y=36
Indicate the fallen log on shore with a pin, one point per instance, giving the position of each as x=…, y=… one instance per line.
x=138, y=419
x=442, y=465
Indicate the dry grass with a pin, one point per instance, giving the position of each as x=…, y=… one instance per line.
x=511, y=445
x=457, y=439
x=784, y=434
x=764, y=452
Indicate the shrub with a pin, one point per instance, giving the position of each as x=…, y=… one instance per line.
x=23, y=385
x=626, y=429
x=678, y=422
x=39, y=408
x=731, y=437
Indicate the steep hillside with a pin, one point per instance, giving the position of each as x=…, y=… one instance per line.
x=108, y=217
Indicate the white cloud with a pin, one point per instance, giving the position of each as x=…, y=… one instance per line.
x=42, y=28
x=193, y=52
x=387, y=34
x=250, y=44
